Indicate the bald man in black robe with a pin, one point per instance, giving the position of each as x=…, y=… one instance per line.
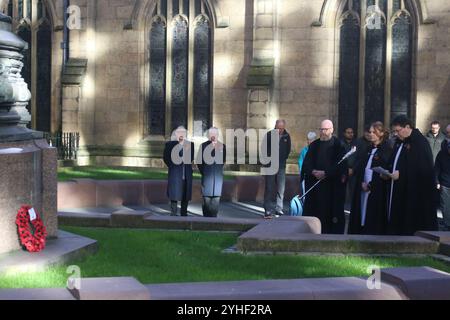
x=326, y=201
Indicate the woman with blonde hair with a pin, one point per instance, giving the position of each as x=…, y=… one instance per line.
x=369, y=207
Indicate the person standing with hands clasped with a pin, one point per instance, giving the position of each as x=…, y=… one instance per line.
x=368, y=213
x=178, y=157
x=211, y=164
x=411, y=203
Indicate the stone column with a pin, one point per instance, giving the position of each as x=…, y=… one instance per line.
x=27, y=163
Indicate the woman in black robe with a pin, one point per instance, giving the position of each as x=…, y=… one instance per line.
x=369, y=205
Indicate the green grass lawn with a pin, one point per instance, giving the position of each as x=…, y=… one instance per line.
x=165, y=257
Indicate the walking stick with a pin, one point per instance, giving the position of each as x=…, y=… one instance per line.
x=297, y=202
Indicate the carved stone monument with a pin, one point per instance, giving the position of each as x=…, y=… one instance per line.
x=27, y=163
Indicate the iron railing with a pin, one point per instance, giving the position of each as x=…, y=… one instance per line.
x=67, y=144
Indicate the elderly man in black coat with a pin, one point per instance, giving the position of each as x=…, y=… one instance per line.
x=276, y=181
x=178, y=156
x=412, y=206
x=212, y=160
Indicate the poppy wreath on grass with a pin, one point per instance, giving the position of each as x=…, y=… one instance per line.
x=32, y=234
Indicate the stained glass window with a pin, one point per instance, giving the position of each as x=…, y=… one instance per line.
x=180, y=47
x=20, y=8
x=349, y=71
x=157, y=112
x=401, y=66
x=376, y=39
x=375, y=65
x=10, y=8
x=29, y=9
x=173, y=32
x=202, y=72
x=43, y=81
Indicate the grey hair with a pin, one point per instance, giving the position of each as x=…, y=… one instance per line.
x=312, y=136
x=174, y=133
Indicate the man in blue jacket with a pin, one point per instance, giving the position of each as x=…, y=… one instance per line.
x=213, y=156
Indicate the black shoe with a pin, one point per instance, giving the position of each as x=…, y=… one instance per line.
x=268, y=216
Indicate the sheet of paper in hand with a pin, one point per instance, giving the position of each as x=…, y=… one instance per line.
x=381, y=170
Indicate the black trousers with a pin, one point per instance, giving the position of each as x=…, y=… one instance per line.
x=174, y=208
x=211, y=206
x=184, y=203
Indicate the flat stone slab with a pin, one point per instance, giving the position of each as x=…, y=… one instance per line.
x=200, y=223
x=147, y=219
x=67, y=247
x=326, y=243
x=297, y=289
x=36, y=294
x=439, y=236
x=75, y=219
x=124, y=288
x=422, y=283
x=129, y=218
x=286, y=226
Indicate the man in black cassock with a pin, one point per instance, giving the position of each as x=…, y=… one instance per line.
x=178, y=156
x=413, y=189
x=326, y=201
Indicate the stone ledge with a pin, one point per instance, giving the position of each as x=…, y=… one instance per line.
x=82, y=220
x=66, y=248
x=438, y=236
x=336, y=244
x=200, y=223
x=123, y=288
x=128, y=218
x=144, y=220
x=35, y=294
x=421, y=283
x=297, y=289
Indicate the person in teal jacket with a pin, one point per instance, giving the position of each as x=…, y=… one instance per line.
x=310, y=138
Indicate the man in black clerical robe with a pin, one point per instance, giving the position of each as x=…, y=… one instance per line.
x=411, y=199
x=326, y=201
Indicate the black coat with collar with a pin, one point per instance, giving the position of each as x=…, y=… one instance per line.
x=179, y=174
x=413, y=206
x=212, y=174
x=376, y=212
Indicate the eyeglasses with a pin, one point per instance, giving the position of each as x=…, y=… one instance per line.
x=397, y=131
x=325, y=129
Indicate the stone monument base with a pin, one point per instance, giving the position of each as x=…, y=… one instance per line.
x=28, y=177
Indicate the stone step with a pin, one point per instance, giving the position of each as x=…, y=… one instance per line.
x=296, y=289
x=35, y=294
x=122, y=288
x=146, y=220
x=346, y=244
x=67, y=247
x=422, y=283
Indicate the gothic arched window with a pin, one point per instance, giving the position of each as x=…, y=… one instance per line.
x=180, y=69
x=376, y=61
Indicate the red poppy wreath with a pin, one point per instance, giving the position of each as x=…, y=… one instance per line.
x=32, y=232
